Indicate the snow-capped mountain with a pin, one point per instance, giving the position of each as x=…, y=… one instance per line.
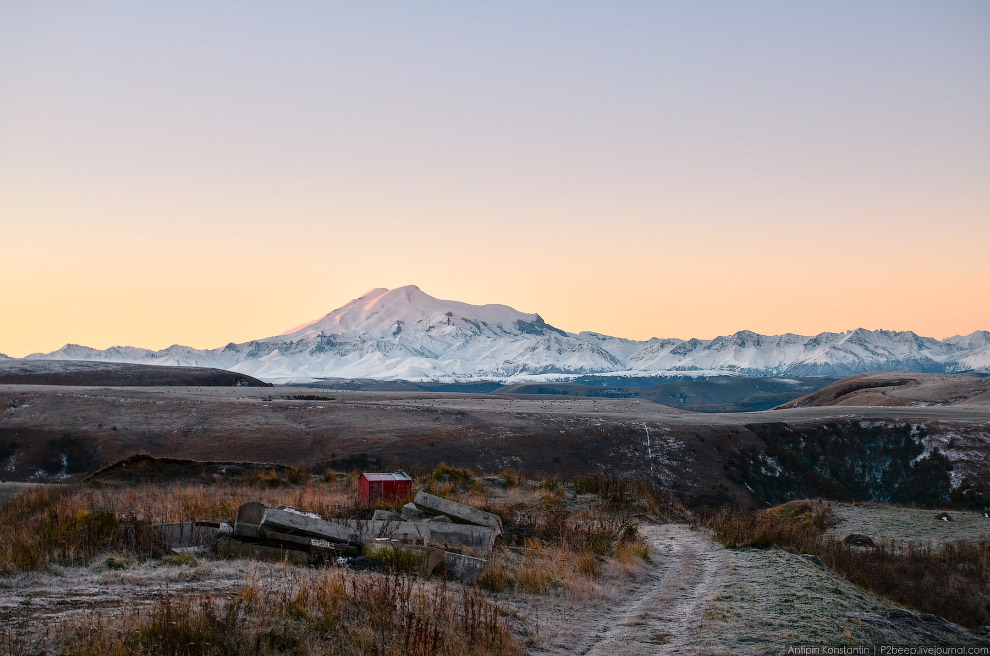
x=406, y=334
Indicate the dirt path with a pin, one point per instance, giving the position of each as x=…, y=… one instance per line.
x=663, y=614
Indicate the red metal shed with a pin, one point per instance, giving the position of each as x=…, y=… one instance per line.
x=384, y=487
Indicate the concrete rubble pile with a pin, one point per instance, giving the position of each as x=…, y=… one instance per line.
x=432, y=535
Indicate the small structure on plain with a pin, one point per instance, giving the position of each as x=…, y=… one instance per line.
x=375, y=486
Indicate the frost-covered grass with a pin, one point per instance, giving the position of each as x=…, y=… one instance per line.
x=291, y=611
x=951, y=579
x=883, y=522
x=773, y=598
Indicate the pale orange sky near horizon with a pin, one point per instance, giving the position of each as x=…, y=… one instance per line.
x=181, y=174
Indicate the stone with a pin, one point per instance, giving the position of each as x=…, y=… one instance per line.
x=943, y=517
x=440, y=518
x=816, y=561
x=249, y=517
x=859, y=540
x=385, y=516
x=458, y=512
x=290, y=520
x=411, y=513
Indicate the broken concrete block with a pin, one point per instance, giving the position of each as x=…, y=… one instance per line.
x=464, y=568
x=290, y=520
x=461, y=537
x=249, y=517
x=458, y=512
x=440, y=518
x=416, y=532
x=479, y=539
x=228, y=548
x=411, y=513
x=185, y=534
x=405, y=557
x=285, y=540
x=385, y=515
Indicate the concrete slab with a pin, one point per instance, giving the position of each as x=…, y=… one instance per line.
x=460, y=537
x=285, y=540
x=290, y=520
x=386, y=515
x=249, y=517
x=416, y=532
x=457, y=537
x=229, y=548
x=185, y=534
x=411, y=513
x=460, y=513
x=464, y=568
x=410, y=557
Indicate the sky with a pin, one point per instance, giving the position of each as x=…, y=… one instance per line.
x=201, y=173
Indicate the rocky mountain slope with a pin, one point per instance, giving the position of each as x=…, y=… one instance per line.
x=406, y=334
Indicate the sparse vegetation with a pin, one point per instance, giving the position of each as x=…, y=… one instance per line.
x=446, y=481
x=556, y=542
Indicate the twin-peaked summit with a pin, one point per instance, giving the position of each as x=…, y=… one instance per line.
x=388, y=312
x=405, y=333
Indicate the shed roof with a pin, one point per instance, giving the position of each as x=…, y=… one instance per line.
x=378, y=476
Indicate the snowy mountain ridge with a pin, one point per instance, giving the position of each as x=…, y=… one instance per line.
x=405, y=333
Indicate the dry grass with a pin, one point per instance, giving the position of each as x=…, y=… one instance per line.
x=64, y=525
x=951, y=580
x=325, y=612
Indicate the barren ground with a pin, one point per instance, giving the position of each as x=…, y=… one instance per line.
x=66, y=432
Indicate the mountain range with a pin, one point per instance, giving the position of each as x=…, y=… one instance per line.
x=407, y=334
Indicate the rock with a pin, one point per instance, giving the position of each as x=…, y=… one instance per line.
x=440, y=518
x=249, y=517
x=816, y=561
x=859, y=540
x=385, y=516
x=458, y=512
x=290, y=520
x=411, y=513
x=986, y=513
x=943, y=517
